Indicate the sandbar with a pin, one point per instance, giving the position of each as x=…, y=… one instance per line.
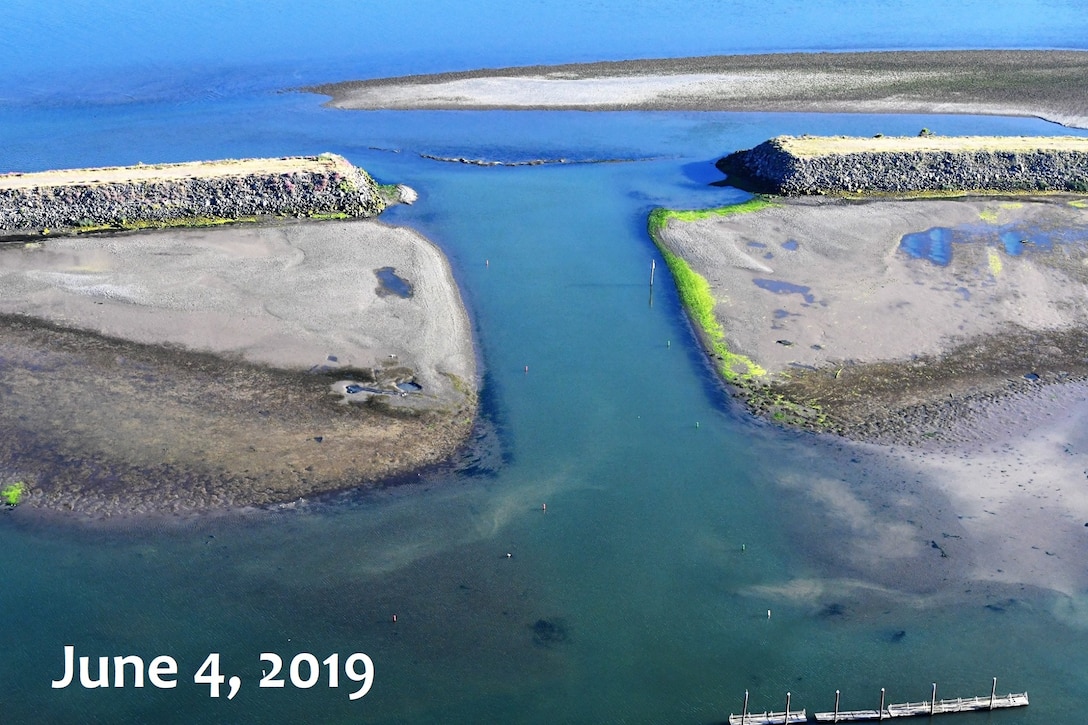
x=186, y=369
x=947, y=341
x=1045, y=84
x=861, y=308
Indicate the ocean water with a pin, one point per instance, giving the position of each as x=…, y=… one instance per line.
x=675, y=526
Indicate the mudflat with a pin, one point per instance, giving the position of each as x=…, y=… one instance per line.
x=1047, y=84
x=859, y=311
x=947, y=340
x=180, y=370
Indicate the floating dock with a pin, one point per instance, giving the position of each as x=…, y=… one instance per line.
x=785, y=717
x=922, y=709
x=925, y=708
x=769, y=718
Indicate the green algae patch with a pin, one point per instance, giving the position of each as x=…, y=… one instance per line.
x=694, y=290
x=760, y=394
x=139, y=224
x=13, y=493
x=660, y=217
x=329, y=216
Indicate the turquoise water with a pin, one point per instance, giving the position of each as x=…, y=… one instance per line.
x=673, y=522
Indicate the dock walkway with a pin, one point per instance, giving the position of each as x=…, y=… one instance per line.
x=769, y=718
x=928, y=707
x=924, y=708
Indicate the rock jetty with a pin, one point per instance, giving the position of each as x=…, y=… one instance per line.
x=186, y=193
x=803, y=165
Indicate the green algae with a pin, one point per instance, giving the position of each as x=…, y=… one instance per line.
x=13, y=494
x=751, y=379
x=695, y=293
x=660, y=217
x=137, y=224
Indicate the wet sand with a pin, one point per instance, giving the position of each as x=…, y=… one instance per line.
x=1047, y=84
x=995, y=511
x=175, y=371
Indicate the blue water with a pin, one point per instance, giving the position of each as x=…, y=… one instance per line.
x=393, y=283
x=933, y=244
x=125, y=51
x=673, y=522
x=779, y=287
x=937, y=244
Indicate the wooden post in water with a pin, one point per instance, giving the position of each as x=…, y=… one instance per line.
x=880, y=712
x=786, y=717
x=993, y=692
x=836, y=705
x=933, y=702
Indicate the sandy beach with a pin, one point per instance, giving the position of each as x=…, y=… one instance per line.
x=193, y=368
x=1046, y=84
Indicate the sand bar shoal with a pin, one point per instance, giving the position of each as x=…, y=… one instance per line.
x=247, y=334
x=1047, y=84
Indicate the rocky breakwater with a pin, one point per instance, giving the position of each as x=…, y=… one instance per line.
x=186, y=193
x=802, y=165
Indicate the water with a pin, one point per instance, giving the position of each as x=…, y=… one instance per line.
x=933, y=244
x=779, y=287
x=392, y=283
x=673, y=522
x=936, y=244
